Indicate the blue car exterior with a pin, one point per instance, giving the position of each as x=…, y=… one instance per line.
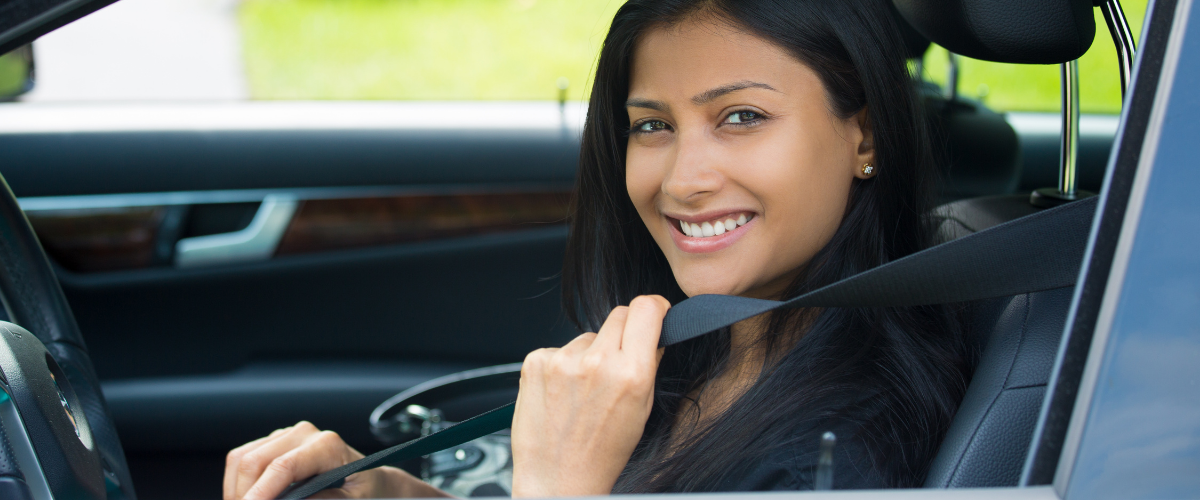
x=1137, y=421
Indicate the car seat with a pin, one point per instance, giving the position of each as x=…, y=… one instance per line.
x=990, y=437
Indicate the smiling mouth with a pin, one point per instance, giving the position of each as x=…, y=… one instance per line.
x=715, y=227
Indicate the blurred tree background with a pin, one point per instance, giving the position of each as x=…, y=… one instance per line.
x=422, y=49
x=518, y=49
x=14, y=73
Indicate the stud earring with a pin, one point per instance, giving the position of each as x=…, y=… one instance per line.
x=868, y=169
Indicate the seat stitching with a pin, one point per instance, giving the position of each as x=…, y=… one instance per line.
x=975, y=432
x=1029, y=386
x=1021, y=342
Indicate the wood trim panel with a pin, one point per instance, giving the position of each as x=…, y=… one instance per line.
x=335, y=224
x=99, y=239
x=87, y=240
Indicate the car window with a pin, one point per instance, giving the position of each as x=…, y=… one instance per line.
x=422, y=50
x=1024, y=87
x=323, y=49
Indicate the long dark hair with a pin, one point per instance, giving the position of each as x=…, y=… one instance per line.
x=894, y=376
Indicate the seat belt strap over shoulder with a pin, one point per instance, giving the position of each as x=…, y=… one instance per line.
x=1039, y=252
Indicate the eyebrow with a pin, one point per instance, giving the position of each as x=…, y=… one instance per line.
x=702, y=98
x=638, y=102
x=709, y=95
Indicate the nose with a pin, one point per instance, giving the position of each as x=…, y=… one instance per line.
x=695, y=174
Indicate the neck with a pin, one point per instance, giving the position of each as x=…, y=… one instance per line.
x=747, y=351
x=747, y=356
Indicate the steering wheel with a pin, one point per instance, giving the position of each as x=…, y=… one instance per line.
x=52, y=414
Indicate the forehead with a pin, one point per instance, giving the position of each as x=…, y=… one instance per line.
x=703, y=53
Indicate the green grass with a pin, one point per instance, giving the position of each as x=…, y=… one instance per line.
x=421, y=49
x=517, y=49
x=13, y=75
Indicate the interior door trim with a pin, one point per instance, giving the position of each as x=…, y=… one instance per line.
x=124, y=200
x=111, y=232
x=257, y=241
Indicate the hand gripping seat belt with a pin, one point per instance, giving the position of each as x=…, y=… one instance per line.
x=1042, y=251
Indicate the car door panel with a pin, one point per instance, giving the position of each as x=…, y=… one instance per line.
x=418, y=247
x=486, y=299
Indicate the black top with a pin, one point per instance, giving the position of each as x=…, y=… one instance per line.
x=794, y=467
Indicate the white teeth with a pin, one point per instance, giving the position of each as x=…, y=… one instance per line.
x=713, y=228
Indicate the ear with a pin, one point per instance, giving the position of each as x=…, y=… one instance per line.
x=865, y=146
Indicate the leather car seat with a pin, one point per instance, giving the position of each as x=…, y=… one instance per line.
x=989, y=439
x=1019, y=336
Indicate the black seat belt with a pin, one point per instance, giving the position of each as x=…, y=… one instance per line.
x=1043, y=251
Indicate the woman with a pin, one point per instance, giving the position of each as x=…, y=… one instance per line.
x=759, y=148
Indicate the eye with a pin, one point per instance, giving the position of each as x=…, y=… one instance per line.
x=742, y=117
x=650, y=126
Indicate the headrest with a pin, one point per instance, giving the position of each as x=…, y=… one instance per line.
x=1008, y=31
x=915, y=44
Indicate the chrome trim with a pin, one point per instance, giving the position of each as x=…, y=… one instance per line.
x=1122, y=37
x=256, y=242
x=952, y=77
x=1129, y=226
x=54, y=118
x=22, y=447
x=1069, y=154
x=125, y=200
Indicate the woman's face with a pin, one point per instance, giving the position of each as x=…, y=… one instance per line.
x=735, y=138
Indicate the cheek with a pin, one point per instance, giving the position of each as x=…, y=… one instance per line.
x=643, y=182
x=805, y=200
x=801, y=178
x=643, y=178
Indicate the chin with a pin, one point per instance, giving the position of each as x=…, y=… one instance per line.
x=713, y=277
x=693, y=288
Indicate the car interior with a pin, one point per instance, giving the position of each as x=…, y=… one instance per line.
x=170, y=258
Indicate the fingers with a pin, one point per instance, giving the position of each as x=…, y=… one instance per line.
x=643, y=324
x=255, y=462
x=533, y=373
x=320, y=452
x=236, y=460
x=580, y=343
x=609, y=336
x=234, y=457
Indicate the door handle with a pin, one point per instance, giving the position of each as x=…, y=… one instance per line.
x=256, y=242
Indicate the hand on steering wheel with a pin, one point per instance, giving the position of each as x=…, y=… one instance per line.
x=263, y=468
